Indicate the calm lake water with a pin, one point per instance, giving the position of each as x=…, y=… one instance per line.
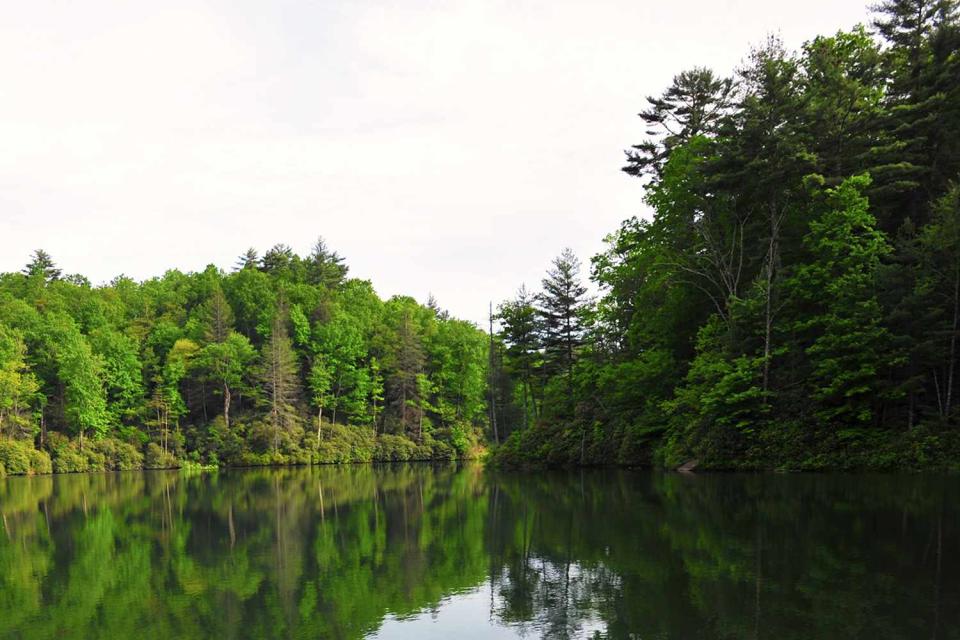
x=459, y=552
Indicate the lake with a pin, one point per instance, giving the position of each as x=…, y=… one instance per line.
x=422, y=551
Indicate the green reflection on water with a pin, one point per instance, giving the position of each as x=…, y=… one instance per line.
x=345, y=552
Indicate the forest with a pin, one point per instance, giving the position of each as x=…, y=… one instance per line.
x=283, y=360
x=793, y=300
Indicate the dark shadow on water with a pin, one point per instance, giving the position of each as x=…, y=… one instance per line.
x=415, y=550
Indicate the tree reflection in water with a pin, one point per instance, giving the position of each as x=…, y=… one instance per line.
x=344, y=552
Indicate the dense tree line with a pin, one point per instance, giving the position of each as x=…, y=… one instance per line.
x=794, y=300
x=284, y=359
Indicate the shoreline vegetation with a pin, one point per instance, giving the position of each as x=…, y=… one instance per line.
x=793, y=300
x=791, y=303
x=283, y=360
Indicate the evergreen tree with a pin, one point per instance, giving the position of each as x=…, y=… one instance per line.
x=216, y=316
x=279, y=261
x=561, y=307
x=907, y=26
x=915, y=152
x=692, y=106
x=248, y=260
x=280, y=377
x=41, y=265
x=938, y=292
x=408, y=364
x=325, y=267
x=521, y=331
x=843, y=84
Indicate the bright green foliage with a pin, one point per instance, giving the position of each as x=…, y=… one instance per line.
x=793, y=300
x=284, y=360
x=122, y=371
x=842, y=318
x=227, y=364
x=18, y=387
x=81, y=373
x=319, y=382
x=720, y=403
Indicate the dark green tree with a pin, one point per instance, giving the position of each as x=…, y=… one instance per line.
x=561, y=306
x=325, y=267
x=520, y=324
x=42, y=265
x=693, y=105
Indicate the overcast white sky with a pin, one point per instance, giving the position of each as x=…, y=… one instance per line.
x=445, y=147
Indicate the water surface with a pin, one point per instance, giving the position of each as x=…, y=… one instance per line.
x=458, y=552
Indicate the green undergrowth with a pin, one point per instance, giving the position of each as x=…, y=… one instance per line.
x=244, y=445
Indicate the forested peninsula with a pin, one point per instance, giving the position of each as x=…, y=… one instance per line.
x=793, y=302
x=283, y=360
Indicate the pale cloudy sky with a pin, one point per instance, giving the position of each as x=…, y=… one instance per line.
x=447, y=147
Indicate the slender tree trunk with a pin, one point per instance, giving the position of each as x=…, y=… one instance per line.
x=319, y=423
x=493, y=395
x=336, y=400
x=226, y=405
x=767, y=330
x=951, y=367
x=526, y=418
x=772, y=252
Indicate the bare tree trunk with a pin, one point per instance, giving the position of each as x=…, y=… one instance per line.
x=951, y=367
x=203, y=400
x=226, y=405
x=770, y=276
x=319, y=423
x=493, y=395
x=767, y=328
x=526, y=417
x=336, y=399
